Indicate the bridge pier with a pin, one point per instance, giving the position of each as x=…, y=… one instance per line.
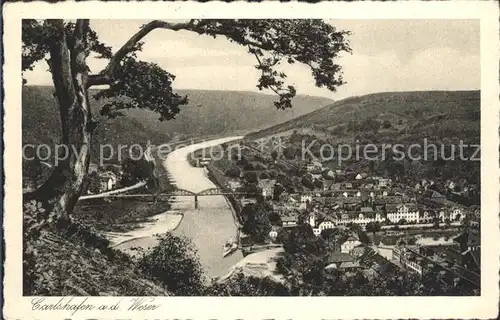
x=196, y=201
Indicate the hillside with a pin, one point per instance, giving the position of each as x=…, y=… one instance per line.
x=421, y=119
x=208, y=113
x=411, y=115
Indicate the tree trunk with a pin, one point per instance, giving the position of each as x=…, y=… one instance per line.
x=62, y=189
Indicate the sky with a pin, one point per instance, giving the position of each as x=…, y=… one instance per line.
x=388, y=55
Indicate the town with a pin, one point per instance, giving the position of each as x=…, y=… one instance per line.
x=376, y=221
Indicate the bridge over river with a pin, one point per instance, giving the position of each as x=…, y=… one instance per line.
x=208, y=231
x=180, y=193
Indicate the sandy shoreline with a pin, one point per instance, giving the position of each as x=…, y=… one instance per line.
x=161, y=223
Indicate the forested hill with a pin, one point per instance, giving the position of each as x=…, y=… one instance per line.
x=208, y=113
x=441, y=118
x=393, y=117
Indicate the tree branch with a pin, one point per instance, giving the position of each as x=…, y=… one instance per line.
x=106, y=75
x=273, y=88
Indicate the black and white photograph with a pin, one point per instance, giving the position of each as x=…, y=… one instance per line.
x=256, y=157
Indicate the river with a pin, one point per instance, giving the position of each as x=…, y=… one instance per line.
x=209, y=226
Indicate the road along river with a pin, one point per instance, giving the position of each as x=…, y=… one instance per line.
x=209, y=227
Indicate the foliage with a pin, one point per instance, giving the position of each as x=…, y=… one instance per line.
x=278, y=190
x=372, y=227
x=61, y=254
x=241, y=285
x=136, y=170
x=233, y=172
x=250, y=177
x=174, y=262
x=256, y=222
x=386, y=124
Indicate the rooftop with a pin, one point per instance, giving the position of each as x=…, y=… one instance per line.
x=336, y=257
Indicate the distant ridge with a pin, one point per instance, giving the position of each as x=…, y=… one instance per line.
x=416, y=114
x=209, y=112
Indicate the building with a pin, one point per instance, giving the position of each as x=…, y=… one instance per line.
x=383, y=182
x=234, y=184
x=273, y=234
x=304, y=198
x=457, y=214
x=267, y=187
x=247, y=201
x=312, y=220
x=407, y=259
x=337, y=259
x=317, y=232
x=327, y=224
x=426, y=216
x=329, y=174
x=289, y=221
x=93, y=167
x=408, y=212
x=349, y=245
x=443, y=216
x=327, y=185
x=107, y=181
x=350, y=266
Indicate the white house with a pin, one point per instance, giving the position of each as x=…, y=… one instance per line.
x=317, y=231
x=289, y=221
x=107, y=181
x=329, y=173
x=327, y=224
x=234, y=184
x=349, y=245
x=426, y=217
x=408, y=212
x=456, y=214
x=305, y=198
x=359, y=176
x=384, y=182
x=451, y=185
x=273, y=234
x=312, y=220
x=443, y=216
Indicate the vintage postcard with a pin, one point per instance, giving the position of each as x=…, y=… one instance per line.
x=185, y=160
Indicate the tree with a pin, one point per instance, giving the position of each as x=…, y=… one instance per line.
x=372, y=227
x=278, y=190
x=146, y=85
x=241, y=285
x=174, y=262
x=250, y=177
x=274, y=154
x=233, y=172
x=33, y=171
x=256, y=222
x=136, y=170
x=386, y=124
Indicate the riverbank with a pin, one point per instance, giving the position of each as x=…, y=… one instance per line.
x=217, y=177
x=120, y=215
x=259, y=264
x=163, y=223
